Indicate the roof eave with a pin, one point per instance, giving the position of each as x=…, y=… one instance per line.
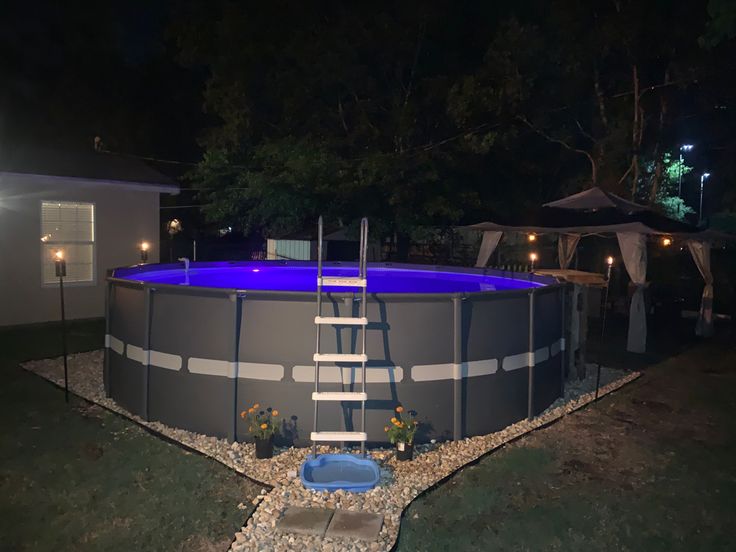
x=160, y=187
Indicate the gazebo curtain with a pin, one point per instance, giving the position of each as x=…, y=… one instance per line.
x=487, y=247
x=634, y=252
x=701, y=255
x=566, y=244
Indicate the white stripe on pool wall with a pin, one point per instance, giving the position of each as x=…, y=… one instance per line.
x=471, y=369
x=556, y=347
x=115, y=344
x=165, y=360
x=136, y=353
x=476, y=368
x=515, y=362
x=522, y=360
x=210, y=367
x=259, y=371
x=333, y=374
x=432, y=372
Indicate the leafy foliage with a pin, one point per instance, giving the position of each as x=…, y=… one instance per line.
x=262, y=424
x=666, y=198
x=421, y=115
x=403, y=427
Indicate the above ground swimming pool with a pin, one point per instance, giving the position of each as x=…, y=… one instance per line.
x=471, y=350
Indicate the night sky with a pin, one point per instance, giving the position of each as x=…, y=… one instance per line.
x=440, y=112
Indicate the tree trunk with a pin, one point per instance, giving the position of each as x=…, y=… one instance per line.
x=659, y=167
x=635, y=133
x=600, y=99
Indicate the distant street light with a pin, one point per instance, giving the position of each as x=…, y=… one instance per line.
x=700, y=211
x=533, y=258
x=684, y=147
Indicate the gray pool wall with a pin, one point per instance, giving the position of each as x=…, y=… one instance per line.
x=468, y=363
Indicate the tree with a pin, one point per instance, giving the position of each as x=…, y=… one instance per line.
x=666, y=199
x=335, y=116
x=422, y=115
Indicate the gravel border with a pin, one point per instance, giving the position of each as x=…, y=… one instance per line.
x=401, y=482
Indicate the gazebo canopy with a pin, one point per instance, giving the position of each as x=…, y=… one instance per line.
x=594, y=199
x=596, y=211
x=590, y=212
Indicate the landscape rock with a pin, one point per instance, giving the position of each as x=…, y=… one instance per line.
x=400, y=483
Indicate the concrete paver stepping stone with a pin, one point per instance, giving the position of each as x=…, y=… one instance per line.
x=306, y=521
x=355, y=525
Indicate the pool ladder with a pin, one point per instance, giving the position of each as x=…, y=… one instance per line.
x=341, y=358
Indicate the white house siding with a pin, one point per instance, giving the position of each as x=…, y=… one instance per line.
x=124, y=216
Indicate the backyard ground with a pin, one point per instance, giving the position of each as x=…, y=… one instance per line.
x=650, y=467
x=78, y=477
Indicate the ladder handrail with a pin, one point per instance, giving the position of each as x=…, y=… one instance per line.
x=319, y=327
x=362, y=272
x=363, y=314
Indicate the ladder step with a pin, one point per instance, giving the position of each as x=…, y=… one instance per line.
x=343, y=281
x=341, y=320
x=333, y=436
x=339, y=396
x=339, y=357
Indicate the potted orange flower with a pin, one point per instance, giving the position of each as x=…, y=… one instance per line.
x=401, y=433
x=262, y=425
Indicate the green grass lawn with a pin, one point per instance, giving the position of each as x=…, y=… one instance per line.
x=651, y=467
x=77, y=477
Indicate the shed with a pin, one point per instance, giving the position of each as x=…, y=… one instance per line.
x=96, y=207
x=302, y=246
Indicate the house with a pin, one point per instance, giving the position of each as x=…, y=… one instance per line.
x=97, y=208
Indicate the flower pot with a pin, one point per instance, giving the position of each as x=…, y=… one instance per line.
x=404, y=451
x=264, y=447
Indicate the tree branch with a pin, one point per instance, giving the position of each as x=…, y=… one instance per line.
x=342, y=115
x=585, y=133
x=593, y=165
x=601, y=100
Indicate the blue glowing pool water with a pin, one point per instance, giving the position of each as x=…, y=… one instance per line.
x=279, y=277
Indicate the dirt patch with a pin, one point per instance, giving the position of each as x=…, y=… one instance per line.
x=654, y=406
x=198, y=543
x=89, y=410
x=92, y=451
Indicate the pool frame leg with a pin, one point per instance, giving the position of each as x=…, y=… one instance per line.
x=148, y=310
x=457, y=368
x=532, y=355
x=106, y=365
x=237, y=300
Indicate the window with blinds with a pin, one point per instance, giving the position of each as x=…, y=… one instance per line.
x=69, y=226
